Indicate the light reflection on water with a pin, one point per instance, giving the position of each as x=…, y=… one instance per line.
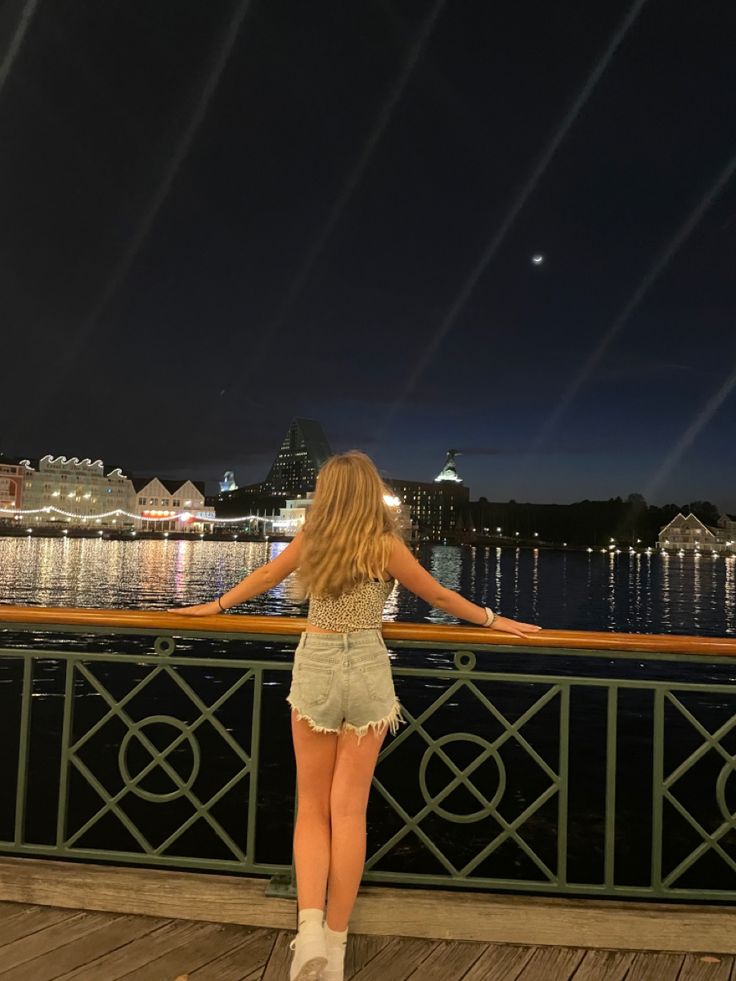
x=559, y=589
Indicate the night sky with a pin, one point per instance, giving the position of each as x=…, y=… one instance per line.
x=216, y=216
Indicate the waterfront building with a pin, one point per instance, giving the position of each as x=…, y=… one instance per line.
x=13, y=473
x=293, y=475
x=84, y=493
x=83, y=488
x=291, y=517
x=438, y=509
x=687, y=533
x=429, y=510
x=249, y=503
x=175, y=505
x=303, y=451
x=727, y=526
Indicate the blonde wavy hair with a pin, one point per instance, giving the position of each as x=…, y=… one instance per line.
x=349, y=529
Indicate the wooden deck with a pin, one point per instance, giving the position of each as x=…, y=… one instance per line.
x=44, y=943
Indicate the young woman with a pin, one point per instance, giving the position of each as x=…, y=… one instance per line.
x=342, y=696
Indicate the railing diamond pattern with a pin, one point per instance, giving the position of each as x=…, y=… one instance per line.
x=614, y=782
x=489, y=750
x=158, y=757
x=713, y=840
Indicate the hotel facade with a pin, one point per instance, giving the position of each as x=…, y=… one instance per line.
x=687, y=534
x=74, y=493
x=426, y=510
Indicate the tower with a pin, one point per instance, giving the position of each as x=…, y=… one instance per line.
x=302, y=453
x=449, y=472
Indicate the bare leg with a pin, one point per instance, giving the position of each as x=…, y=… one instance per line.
x=315, y=763
x=351, y=784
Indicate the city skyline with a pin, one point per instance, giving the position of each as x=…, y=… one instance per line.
x=211, y=485
x=508, y=230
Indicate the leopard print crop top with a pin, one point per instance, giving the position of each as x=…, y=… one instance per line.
x=359, y=609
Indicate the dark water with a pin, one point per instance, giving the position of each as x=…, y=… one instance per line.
x=641, y=593
x=576, y=590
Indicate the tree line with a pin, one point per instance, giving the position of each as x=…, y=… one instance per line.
x=629, y=521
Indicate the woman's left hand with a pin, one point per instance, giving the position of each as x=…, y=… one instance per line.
x=201, y=610
x=516, y=628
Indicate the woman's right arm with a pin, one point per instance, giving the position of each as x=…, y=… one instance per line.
x=404, y=567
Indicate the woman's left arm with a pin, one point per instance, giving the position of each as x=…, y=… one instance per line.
x=259, y=581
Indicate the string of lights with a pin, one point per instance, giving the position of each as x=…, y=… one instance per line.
x=184, y=516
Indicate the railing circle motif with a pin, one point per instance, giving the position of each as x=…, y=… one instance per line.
x=488, y=751
x=164, y=646
x=182, y=785
x=465, y=660
x=727, y=769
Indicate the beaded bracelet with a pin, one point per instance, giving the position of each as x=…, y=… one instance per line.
x=490, y=617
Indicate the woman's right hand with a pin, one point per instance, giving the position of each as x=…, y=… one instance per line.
x=505, y=625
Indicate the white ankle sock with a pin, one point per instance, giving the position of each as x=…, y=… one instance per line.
x=335, y=938
x=307, y=917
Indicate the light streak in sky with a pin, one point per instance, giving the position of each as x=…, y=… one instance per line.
x=26, y=15
x=660, y=264
x=347, y=190
x=517, y=204
x=360, y=166
x=179, y=154
x=690, y=434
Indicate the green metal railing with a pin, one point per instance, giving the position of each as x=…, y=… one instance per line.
x=568, y=770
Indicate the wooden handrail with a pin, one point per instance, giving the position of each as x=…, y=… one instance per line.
x=50, y=616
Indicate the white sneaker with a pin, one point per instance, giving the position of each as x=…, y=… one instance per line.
x=310, y=955
x=335, y=969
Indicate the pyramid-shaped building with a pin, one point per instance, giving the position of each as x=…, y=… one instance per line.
x=303, y=451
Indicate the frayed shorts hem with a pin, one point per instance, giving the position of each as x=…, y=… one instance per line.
x=389, y=722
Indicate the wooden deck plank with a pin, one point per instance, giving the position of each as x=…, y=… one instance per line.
x=11, y=920
x=449, y=959
x=611, y=965
x=49, y=939
x=111, y=935
x=9, y=909
x=552, y=964
x=707, y=967
x=397, y=960
x=138, y=953
x=48, y=944
x=432, y=914
x=655, y=967
x=361, y=949
x=215, y=939
x=30, y=920
x=277, y=967
x=499, y=963
x=247, y=959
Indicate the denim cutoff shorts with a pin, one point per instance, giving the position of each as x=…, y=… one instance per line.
x=344, y=681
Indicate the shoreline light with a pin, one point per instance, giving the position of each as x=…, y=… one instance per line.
x=162, y=516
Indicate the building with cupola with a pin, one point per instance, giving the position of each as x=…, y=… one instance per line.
x=439, y=508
